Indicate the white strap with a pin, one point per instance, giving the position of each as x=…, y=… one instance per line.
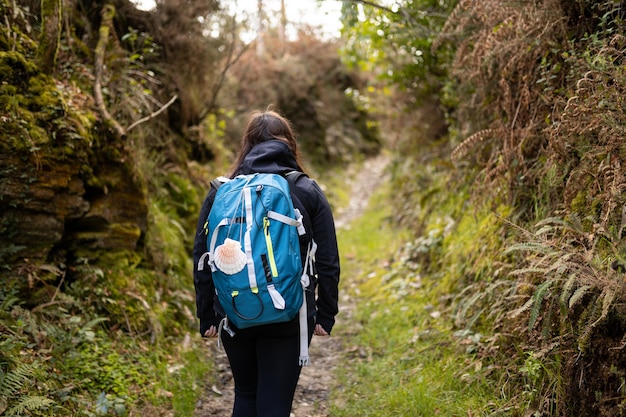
x=304, y=359
x=301, y=230
x=313, y=250
x=277, y=299
x=297, y=222
x=202, y=261
x=227, y=329
x=247, y=198
x=310, y=258
x=283, y=219
x=211, y=248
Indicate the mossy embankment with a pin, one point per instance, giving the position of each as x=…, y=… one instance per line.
x=95, y=306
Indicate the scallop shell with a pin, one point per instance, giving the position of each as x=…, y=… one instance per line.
x=229, y=258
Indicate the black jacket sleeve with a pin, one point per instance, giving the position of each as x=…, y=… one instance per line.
x=327, y=256
x=203, y=282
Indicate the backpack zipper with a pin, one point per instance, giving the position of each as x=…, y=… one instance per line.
x=270, y=248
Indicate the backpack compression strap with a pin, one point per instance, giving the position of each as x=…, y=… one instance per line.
x=308, y=271
x=297, y=222
x=304, y=359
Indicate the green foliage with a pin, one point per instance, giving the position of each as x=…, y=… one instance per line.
x=409, y=364
x=396, y=42
x=536, y=94
x=188, y=382
x=555, y=258
x=14, y=397
x=105, y=311
x=522, y=238
x=362, y=240
x=505, y=298
x=22, y=383
x=79, y=366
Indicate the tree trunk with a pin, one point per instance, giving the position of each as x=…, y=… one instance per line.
x=260, y=41
x=50, y=36
x=283, y=28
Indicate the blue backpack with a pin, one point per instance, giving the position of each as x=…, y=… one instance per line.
x=253, y=242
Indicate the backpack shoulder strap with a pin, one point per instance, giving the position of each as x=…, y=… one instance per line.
x=292, y=176
x=217, y=182
x=300, y=199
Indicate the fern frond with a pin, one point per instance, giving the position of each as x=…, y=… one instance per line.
x=469, y=303
x=537, y=301
x=546, y=323
x=29, y=403
x=558, y=268
x=566, y=291
x=14, y=381
x=530, y=270
x=607, y=300
x=547, y=229
x=93, y=322
x=452, y=21
x=8, y=302
x=464, y=147
x=578, y=294
x=574, y=225
x=551, y=220
x=520, y=310
x=529, y=247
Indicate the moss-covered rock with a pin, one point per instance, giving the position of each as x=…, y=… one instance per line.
x=65, y=194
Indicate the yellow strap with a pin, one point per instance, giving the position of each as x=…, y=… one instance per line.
x=270, y=249
x=235, y=293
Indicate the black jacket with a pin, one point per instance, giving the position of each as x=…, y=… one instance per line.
x=274, y=157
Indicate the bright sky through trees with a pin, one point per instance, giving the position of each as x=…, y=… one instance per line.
x=324, y=14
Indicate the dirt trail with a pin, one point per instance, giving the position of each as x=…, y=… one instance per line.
x=312, y=393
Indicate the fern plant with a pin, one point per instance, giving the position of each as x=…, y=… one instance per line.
x=14, y=398
x=561, y=266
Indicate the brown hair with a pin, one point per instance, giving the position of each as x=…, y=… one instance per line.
x=264, y=126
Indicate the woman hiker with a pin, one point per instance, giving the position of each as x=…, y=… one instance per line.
x=264, y=359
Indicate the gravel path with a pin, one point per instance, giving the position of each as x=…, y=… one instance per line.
x=317, y=380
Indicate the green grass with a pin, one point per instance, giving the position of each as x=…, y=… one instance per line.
x=190, y=382
x=402, y=355
x=407, y=364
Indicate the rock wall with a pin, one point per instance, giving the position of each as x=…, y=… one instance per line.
x=67, y=192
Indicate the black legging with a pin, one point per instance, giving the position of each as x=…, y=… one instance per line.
x=264, y=361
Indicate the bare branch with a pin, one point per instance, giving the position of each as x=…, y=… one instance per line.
x=56, y=292
x=375, y=5
x=108, y=12
x=152, y=115
x=230, y=61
